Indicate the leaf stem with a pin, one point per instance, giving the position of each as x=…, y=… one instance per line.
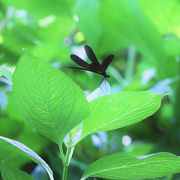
x=62, y=154
x=65, y=171
x=67, y=159
x=130, y=63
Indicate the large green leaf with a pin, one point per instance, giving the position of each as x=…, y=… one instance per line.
x=124, y=166
x=120, y=110
x=9, y=172
x=48, y=98
x=7, y=144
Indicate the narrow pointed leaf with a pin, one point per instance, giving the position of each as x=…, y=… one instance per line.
x=124, y=166
x=7, y=144
x=120, y=110
x=49, y=99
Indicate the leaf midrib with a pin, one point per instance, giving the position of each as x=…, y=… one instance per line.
x=117, y=119
x=125, y=166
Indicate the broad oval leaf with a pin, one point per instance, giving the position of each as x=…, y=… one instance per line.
x=48, y=98
x=120, y=110
x=125, y=166
x=9, y=172
x=7, y=144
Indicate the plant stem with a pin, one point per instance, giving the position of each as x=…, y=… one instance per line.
x=130, y=63
x=62, y=154
x=65, y=171
x=67, y=159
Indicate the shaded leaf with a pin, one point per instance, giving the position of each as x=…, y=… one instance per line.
x=7, y=144
x=9, y=172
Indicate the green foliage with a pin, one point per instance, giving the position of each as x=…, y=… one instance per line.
x=48, y=98
x=120, y=110
x=135, y=28
x=143, y=35
x=9, y=172
x=125, y=166
x=166, y=23
x=104, y=21
x=7, y=144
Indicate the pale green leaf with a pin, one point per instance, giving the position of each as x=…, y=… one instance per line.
x=48, y=98
x=9, y=172
x=120, y=110
x=7, y=144
x=125, y=166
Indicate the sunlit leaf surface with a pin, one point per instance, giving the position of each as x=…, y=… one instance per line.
x=52, y=102
x=120, y=110
x=124, y=166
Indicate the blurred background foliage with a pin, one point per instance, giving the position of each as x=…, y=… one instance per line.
x=143, y=35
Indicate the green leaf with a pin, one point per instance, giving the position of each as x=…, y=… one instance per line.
x=48, y=98
x=120, y=110
x=9, y=172
x=6, y=72
x=124, y=166
x=7, y=144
